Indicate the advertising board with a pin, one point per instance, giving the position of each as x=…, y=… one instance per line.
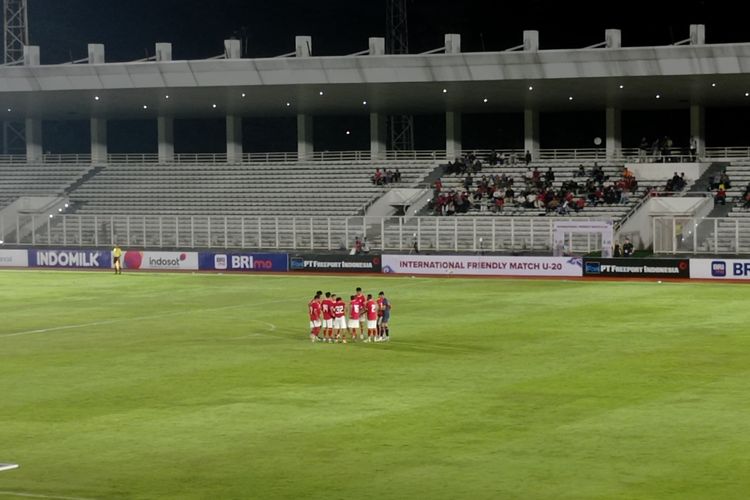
x=85, y=259
x=720, y=269
x=632, y=267
x=243, y=262
x=482, y=265
x=14, y=258
x=335, y=263
x=164, y=261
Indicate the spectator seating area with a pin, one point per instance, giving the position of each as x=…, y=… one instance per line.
x=248, y=189
x=18, y=180
x=605, y=207
x=738, y=223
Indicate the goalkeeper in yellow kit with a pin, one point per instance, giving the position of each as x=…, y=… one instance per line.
x=117, y=258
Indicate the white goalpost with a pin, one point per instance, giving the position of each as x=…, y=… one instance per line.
x=561, y=228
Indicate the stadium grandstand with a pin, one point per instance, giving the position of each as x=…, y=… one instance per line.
x=324, y=199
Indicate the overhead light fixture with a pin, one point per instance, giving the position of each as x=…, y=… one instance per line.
x=166, y=97
x=243, y=94
x=658, y=96
x=320, y=93
x=145, y=106
x=348, y=132
x=288, y=103
x=531, y=87
x=364, y=103
x=713, y=84
x=96, y=97
x=570, y=98
x=484, y=100
x=622, y=86
x=213, y=106
x=445, y=90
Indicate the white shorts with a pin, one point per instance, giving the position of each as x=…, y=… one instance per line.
x=315, y=324
x=353, y=323
x=372, y=324
x=328, y=323
x=339, y=323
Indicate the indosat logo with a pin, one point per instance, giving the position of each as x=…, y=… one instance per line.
x=142, y=260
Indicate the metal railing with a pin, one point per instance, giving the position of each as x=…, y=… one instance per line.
x=288, y=233
x=516, y=155
x=706, y=235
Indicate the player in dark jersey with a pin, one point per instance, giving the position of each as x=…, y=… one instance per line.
x=384, y=316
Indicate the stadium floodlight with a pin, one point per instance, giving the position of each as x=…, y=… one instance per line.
x=8, y=466
x=531, y=87
x=1, y=242
x=96, y=97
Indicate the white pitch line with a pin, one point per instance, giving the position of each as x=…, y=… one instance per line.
x=138, y=318
x=38, y=495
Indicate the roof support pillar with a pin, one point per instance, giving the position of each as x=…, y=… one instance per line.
x=378, y=132
x=165, y=131
x=614, y=132
x=234, y=139
x=453, y=146
x=33, y=140
x=531, y=40
x=698, y=128
x=613, y=39
x=452, y=43
x=33, y=127
x=697, y=34
x=98, y=140
x=304, y=137
x=531, y=132
x=31, y=55
x=376, y=46
x=163, y=51
x=232, y=49
x=96, y=53
x=303, y=46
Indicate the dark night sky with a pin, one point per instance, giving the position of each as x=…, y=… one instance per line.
x=129, y=29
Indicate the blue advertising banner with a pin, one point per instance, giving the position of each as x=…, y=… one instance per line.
x=87, y=259
x=243, y=262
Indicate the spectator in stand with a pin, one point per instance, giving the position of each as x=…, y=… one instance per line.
x=627, y=248
x=397, y=176
x=580, y=203
x=492, y=158
x=581, y=171
x=528, y=157
x=357, y=246
x=724, y=179
x=549, y=176
x=721, y=195
x=377, y=177
x=616, y=252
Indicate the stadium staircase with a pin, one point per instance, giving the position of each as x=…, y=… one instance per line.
x=731, y=234
x=18, y=180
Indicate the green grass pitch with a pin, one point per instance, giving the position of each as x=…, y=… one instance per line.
x=191, y=386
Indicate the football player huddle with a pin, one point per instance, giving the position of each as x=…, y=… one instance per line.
x=331, y=317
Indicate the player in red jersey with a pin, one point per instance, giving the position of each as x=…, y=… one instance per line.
x=355, y=312
x=371, y=307
x=359, y=296
x=338, y=318
x=327, y=304
x=314, y=310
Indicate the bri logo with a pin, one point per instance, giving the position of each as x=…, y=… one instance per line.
x=718, y=268
x=220, y=261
